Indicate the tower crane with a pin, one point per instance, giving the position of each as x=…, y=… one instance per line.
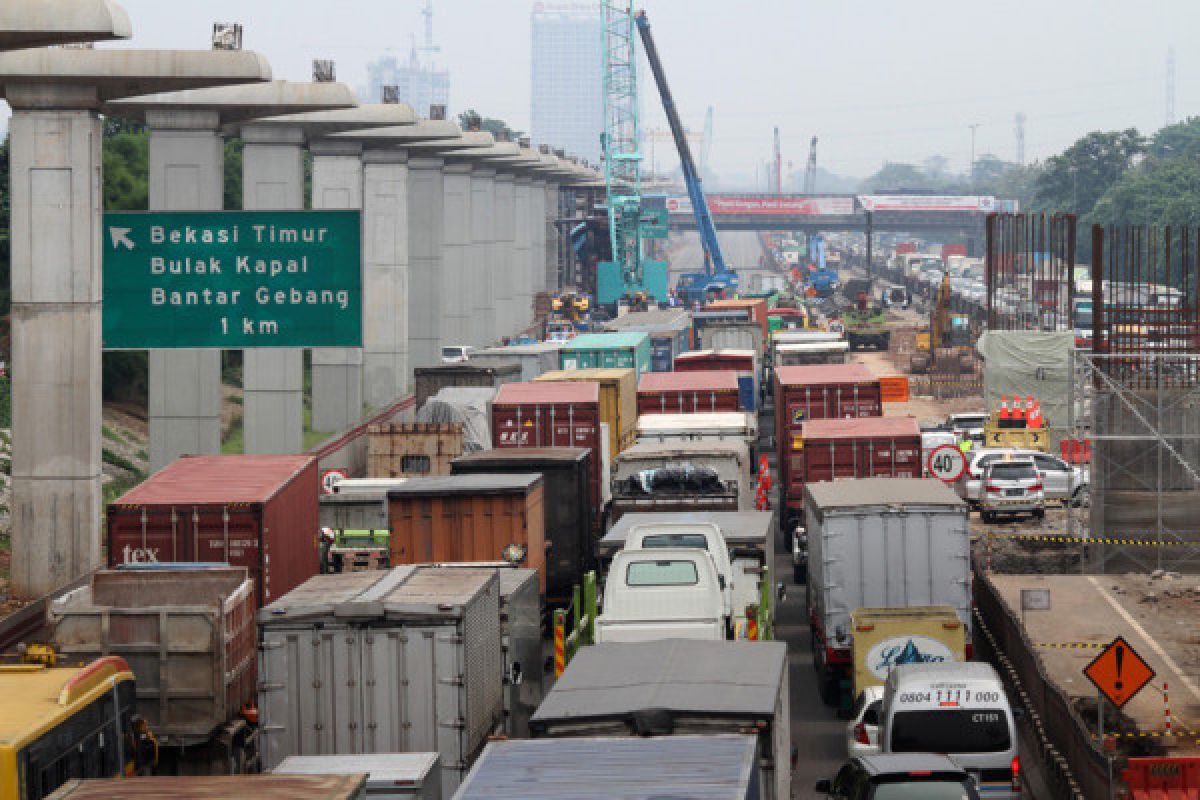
x=717, y=278
x=810, y=171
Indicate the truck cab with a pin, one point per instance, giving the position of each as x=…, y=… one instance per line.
x=704, y=536
x=663, y=593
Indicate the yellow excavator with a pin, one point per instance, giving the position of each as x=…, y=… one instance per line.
x=946, y=345
x=570, y=307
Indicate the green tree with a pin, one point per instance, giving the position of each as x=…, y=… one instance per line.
x=1074, y=180
x=126, y=171
x=233, y=174
x=1181, y=140
x=895, y=175
x=470, y=119
x=1156, y=192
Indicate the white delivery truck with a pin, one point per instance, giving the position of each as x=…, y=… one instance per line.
x=879, y=543
x=678, y=687
x=663, y=593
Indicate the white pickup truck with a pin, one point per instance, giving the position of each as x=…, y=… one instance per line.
x=663, y=593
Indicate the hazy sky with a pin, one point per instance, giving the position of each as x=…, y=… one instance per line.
x=874, y=79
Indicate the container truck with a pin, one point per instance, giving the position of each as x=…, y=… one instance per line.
x=557, y=415
x=411, y=449
x=735, y=336
x=724, y=425
x=681, y=687
x=568, y=509
x=533, y=359
x=628, y=350
x=431, y=380
x=618, y=400
x=724, y=766
x=683, y=476
x=475, y=518
x=756, y=310
x=886, y=637
x=253, y=511
x=745, y=363
x=670, y=331
x=708, y=391
x=468, y=407
x=187, y=632
x=879, y=543
x=399, y=661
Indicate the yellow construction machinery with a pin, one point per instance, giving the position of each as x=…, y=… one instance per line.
x=946, y=346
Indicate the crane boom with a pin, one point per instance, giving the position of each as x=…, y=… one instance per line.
x=714, y=261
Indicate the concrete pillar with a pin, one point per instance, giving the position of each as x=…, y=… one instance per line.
x=273, y=377
x=537, y=241
x=425, y=285
x=186, y=173
x=551, y=238
x=479, y=271
x=337, y=396
x=55, y=175
x=522, y=253
x=385, y=275
x=457, y=247
x=500, y=262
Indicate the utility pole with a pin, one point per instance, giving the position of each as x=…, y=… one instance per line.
x=974, y=127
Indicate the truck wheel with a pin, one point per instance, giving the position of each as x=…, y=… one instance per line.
x=988, y=517
x=1039, y=514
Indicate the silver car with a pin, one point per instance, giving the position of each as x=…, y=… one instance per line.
x=1063, y=482
x=1012, y=487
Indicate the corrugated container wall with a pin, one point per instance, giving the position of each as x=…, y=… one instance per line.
x=409, y=450
x=554, y=415
x=605, y=350
x=253, y=511
x=206, y=787
x=566, y=474
x=532, y=359
x=886, y=447
x=757, y=309
x=735, y=336
x=670, y=333
x=618, y=401
x=688, y=392
x=431, y=380
x=187, y=633
x=406, y=660
x=744, y=362
x=468, y=518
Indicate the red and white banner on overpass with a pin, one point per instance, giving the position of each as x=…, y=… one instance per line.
x=919, y=202
x=779, y=205
x=795, y=206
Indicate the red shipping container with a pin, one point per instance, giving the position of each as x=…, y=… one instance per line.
x=554, y=414
x=699, y=392
x=254, y=511
x=817, y=392
x=828, y=449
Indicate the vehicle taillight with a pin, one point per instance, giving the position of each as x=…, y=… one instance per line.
x=1037, y=487
x=993, y=489
x=860, y=734
x=1016, y=773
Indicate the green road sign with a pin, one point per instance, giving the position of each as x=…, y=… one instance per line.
x=654, y=223
x=232, y=279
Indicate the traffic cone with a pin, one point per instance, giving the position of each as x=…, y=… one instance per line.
x=1005, y=413
x=1036, y=420
x=1018, y=412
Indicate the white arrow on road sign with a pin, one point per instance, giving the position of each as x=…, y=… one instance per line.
x=121, y=236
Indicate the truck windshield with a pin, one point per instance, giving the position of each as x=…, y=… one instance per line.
x=662, y=573
x=966, y=730
x=676, y=540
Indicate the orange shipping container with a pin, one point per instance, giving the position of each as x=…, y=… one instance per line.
x=469, y=518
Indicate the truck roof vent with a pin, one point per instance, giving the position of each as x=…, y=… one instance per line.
x=653, y=722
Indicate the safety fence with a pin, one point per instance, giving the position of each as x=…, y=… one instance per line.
x=1073, y=764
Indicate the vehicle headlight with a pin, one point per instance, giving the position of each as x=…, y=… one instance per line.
x=514, y=553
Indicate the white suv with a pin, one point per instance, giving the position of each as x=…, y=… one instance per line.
x=1063, y=482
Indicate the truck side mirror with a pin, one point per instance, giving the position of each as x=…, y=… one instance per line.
x=780, y=591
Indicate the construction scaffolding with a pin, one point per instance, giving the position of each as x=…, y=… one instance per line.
x=1137, y=400
x=1030, y=271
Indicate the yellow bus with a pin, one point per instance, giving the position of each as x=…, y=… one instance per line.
x=59, y=723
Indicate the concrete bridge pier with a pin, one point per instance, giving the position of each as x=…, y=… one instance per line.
x=480, y=275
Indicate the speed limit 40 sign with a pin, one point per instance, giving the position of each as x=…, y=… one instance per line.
x=947, y=463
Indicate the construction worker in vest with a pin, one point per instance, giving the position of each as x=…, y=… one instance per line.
x=966, y=445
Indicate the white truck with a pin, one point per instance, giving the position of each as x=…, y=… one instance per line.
x=879, y=543
x=663, y=593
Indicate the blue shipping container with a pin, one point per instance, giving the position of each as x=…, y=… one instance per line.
x=747, y=396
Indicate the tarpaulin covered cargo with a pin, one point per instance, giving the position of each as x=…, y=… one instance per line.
x=688, y=392
x=469, y=518
x=555, y=415
x=406, y=660
x=618, y=400
x=636, y=484
x=466, y=406
x=722, y=767
x=253, y=511
x=630, y=350
x=566, y=474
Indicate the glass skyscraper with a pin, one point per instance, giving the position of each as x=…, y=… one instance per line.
x=567, y=98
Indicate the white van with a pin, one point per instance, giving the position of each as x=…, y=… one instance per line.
x=959, y=709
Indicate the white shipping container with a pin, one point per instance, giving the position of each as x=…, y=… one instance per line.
x=398, y=661
x=390, y=776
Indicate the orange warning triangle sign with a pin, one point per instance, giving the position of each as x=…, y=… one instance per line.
x=1119, y=672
